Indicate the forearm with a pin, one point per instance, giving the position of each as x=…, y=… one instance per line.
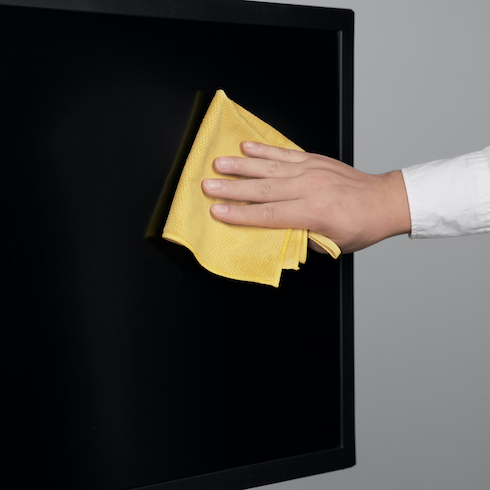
x=450, y=197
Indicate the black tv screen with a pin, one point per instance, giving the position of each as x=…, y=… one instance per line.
x=127, y=365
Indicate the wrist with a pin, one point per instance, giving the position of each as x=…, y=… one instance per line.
x=396, y=202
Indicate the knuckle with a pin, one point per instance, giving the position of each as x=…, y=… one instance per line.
x=272, y=166
x=263, y=188
x=267, y=213
x=318, y=209
x=313, y=179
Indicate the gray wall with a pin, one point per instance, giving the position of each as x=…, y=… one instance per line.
x=422, y=92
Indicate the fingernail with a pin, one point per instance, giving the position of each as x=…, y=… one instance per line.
x=250, y=145
x=219, y=208
x=223, y=163
x=212, y=184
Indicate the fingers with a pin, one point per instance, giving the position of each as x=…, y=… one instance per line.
x=275, y=184
x=260, y=150
x=256, y=167
x=274, y=179
x=270, y=215
x=264, y=161
x=285, y=214
x=253, y=190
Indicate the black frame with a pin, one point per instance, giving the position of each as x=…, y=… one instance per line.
x=256, y=13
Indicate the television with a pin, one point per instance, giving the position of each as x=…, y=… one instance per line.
x=129, y=366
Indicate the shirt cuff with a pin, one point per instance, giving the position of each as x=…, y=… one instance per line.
x=449, y=197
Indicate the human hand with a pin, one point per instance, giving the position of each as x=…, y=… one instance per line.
x=294, y=189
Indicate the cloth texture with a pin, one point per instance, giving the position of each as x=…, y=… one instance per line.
x=244, y=253
x=450, y=197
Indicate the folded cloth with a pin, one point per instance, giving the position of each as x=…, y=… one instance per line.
x=238, y=252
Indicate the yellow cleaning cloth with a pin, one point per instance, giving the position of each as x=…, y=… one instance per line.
x=238, y=252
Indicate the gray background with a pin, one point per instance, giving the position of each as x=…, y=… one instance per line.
x=422, y=92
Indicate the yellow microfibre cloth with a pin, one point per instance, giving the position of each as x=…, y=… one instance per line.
x=244, y=253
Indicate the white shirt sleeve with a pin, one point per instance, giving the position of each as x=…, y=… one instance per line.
x=450, y=197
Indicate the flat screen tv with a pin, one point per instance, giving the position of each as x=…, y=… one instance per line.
x=127, y=366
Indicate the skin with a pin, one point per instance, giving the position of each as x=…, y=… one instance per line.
x=293, y=189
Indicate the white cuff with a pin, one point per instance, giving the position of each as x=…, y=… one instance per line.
x=450, y=197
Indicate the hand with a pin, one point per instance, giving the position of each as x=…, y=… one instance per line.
x=294, y=189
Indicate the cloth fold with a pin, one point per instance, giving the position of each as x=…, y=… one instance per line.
x=238, y=252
